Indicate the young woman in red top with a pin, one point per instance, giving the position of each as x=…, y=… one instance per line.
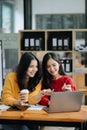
x=54, y=78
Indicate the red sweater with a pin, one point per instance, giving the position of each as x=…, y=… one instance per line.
x=57, y=87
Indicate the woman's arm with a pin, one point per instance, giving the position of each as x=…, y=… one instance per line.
x=69, y=85
x=10, y=90
x=36, y=95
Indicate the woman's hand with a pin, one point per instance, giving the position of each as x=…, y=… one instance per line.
x=47, y=92
x=66, y=87
x=23, y=98
x=17, y=103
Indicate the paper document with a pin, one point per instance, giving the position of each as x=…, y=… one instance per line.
x=4, y=107
x=35, y=107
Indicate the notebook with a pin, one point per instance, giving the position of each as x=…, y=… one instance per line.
x=65, y=101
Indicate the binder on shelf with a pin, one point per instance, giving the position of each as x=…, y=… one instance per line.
x=63, y=63
x=54, y=43
x=60, y=44
x=66, y=44
x=26, y=44
x=41, y=42
x=32, y=44
x=68, y=65
x=38, y=44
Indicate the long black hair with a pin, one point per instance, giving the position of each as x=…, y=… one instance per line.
x=46, y=76
x=22, y=68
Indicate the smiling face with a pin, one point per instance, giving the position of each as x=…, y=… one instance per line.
x=32, y=69
x=53, y=67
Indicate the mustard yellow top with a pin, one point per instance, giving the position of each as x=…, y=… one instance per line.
x=11, y=90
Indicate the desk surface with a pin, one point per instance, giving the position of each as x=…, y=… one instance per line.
x=41, y=115
x=84, y=90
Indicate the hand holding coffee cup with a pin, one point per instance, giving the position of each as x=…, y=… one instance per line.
x=23, y=97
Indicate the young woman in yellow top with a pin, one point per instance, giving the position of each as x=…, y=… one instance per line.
x=27, y=76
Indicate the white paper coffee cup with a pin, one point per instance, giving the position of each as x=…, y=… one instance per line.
x=24, y=91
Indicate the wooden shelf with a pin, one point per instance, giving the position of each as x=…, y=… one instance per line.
x=51, y=41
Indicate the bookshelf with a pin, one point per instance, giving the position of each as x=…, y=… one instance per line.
x=63, y=41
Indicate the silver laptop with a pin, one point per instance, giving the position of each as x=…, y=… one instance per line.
x=65, y=101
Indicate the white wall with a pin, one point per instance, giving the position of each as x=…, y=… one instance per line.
x=19, y=16
x=56, y=7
